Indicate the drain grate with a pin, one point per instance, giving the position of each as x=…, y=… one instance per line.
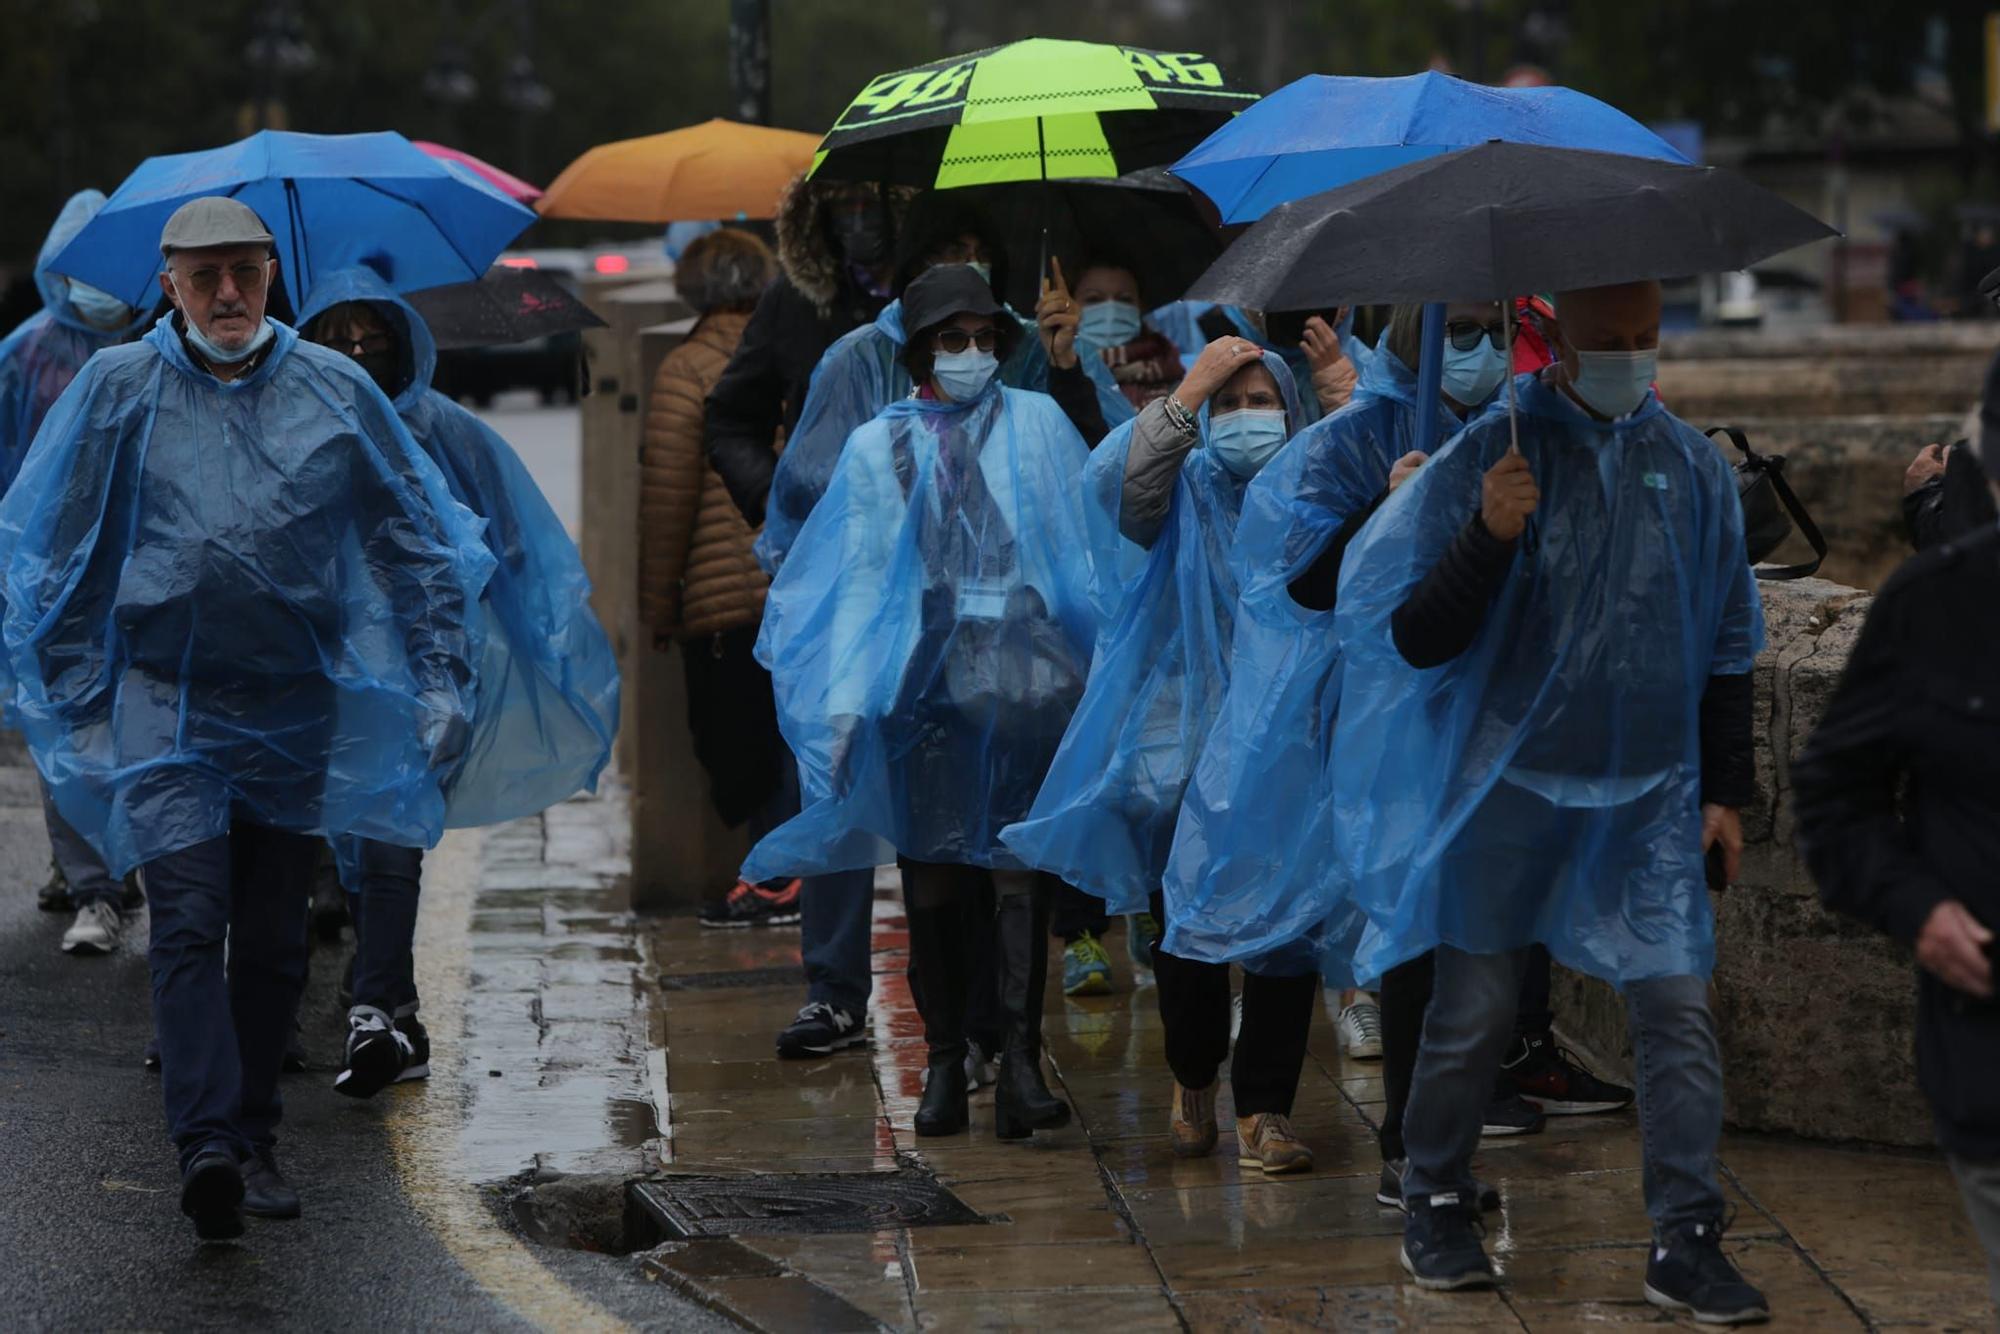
x=777, y=1205
x=741, y=977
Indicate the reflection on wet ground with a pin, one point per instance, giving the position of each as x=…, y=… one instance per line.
x=601, y=1043
x=1103, y=1225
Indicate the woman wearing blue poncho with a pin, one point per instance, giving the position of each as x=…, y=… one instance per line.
x=1544, y=727
x=1162, y=497
x=928, y=639
x=37, y=362
x=546, y=677
x=864, y=371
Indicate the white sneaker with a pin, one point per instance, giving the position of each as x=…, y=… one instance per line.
x=95, y=930
x=981, y=1070
x=1361, y=1029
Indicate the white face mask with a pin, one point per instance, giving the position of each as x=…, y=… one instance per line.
x=1470, y=376
x=97, y=308
x=963, y=374
x=1247, y=439
x=1614, y=384
x=214, y=353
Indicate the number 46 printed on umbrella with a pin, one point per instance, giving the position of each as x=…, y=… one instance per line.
x=1031, y=110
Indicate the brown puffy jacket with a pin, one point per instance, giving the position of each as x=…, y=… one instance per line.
x=697, y=575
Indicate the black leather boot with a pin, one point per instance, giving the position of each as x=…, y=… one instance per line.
x=1022, y=1103
x=937, y=957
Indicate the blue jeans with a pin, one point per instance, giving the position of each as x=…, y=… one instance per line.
x=383, y=905
x=836, y=912
x=222, y=1028
x=1678, y=1066
x=81, y=867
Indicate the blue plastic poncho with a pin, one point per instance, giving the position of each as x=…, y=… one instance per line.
x=46, y=350
x=861, y=374
x=547, y=678
x=929, y=638
x=1104, y=819
x=250, y=596
x=1252, y=867
x=1546, y=784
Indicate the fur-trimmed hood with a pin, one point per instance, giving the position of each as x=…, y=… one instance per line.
x=806, y=249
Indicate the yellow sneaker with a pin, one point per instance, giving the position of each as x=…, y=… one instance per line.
x=1193, y=1126
x=1267, y=1140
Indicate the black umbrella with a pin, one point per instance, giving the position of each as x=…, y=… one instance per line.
x=1500, y=220
x=1145, y=220
x=506, y=306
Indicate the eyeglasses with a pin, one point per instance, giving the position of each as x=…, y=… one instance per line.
x=1465, y=335
x=957, y=340
x=368, y=345
x=248, y=277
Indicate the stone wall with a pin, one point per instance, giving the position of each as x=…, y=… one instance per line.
x=1814, y=1012
x=1847, y=407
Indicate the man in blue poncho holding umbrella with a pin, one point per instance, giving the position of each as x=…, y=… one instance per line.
x=238, y=617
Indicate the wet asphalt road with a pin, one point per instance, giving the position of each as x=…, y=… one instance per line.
x=91, y=1236
x=89, y=1220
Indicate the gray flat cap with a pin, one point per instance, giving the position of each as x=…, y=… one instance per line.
x=213, y=220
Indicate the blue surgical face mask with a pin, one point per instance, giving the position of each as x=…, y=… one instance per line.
x=222, y=356
x=98, y=308
x=1247, y=439
x=963, y=374
x=1615, y=383
x=1470, y=376
x=1108, y=324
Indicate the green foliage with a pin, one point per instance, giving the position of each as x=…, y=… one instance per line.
x=90, y=87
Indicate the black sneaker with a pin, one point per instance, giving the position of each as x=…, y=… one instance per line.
x=755, y=905
x=1508, y=1113
x=820, y=1030
x=266, y=1193
x=212, y=1195
x=420, y=1049
x=376, y=1057
x=152, y=1056
x=1688, y=1273
x=1389, y=1189
x=1441, y=1244
x=53, y=896
x=1553, y=1079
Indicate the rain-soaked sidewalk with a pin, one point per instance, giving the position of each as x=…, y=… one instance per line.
x=1098, y=1224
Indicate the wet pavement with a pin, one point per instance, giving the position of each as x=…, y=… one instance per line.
x=1099, y=1224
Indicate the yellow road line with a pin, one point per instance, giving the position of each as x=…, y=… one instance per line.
x=424, y=1129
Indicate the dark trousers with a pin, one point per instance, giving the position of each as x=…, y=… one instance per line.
x=1075, y=912
x=1270, y=1049
x=384, y=908
x=1405, y=996
x=222, y=1027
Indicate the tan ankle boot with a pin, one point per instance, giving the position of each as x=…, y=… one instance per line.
x=1193, y=1126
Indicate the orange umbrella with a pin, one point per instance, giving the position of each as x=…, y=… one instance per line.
x=718, y=170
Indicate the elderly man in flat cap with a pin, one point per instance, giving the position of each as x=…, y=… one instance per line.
x=239, y=618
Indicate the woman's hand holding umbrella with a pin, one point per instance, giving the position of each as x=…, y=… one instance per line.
x=1057, y=317
x=1507, y=496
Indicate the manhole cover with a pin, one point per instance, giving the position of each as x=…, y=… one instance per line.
x=689, y=1207
x=741, y=977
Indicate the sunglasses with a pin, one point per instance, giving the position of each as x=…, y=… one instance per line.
x=957, y=340
x=248, y=277
x=1465, y=335
x=368, y=345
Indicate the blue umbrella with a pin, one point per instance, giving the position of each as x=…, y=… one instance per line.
x=1325, y=131
x=330, y=200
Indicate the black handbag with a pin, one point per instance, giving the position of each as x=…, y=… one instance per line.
x=1770, y=509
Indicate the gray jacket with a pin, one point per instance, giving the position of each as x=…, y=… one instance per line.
x=1152, y=465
